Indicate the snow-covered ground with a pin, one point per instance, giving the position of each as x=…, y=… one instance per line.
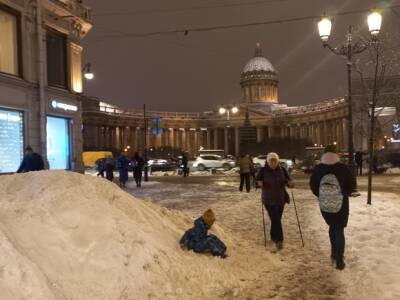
x=70, y=236
x=372, y=241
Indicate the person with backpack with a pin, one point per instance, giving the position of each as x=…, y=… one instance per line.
x=272, y=179
x=332, y=182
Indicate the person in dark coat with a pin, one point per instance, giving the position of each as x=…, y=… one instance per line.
x=198, y=239
x=185, y=169
x=138, y=164
x=32, y=161
x=272, y=179
x=337, y=221
x=109, y=167
x=359, y=160
x=122, y=165
x=101, y=167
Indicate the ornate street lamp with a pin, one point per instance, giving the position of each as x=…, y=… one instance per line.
x=228, y=109
x=87, y=73
x=348, y=50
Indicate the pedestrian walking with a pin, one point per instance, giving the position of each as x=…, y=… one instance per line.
x=185, y=169
x=101, y=167
x=332, y=182
x=272, y=179
x=359, y=160
x=138, y=164
x=32, y=161
x=245, y=170
x=122, y=166
x=109, y=167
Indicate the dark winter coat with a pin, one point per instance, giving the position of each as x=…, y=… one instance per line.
x=273, y=185
x=196, y=239
x=138, y=164
x=31, y=162
x=122, y=165
x=330, y=164
x=109, y=167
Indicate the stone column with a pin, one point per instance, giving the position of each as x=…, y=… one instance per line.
x=226, y=141
x=216, y=138
x=259, y=134
x=196, y=141
x=237, y=142
x=184, y=137
x=208, y=139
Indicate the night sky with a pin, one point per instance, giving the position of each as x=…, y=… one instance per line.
x=200, y=70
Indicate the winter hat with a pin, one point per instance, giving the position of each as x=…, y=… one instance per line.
x=272, y=155
x=209, y=217
x=330, y=148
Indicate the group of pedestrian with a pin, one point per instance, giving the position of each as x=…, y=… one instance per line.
x=331, y=182
x=122, y=164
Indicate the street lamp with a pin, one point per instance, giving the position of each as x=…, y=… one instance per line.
x=348, y=50
x=87, y=73
x=228, y=109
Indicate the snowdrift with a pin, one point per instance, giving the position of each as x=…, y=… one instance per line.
x=70, y=236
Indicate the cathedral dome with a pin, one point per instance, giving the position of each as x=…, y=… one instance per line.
x=258, y=63
x=259, y=80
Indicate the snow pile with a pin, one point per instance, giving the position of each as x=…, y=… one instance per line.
x=70, y=236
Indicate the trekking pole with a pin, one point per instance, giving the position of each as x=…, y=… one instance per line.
x=297, y=216
x=265, y=235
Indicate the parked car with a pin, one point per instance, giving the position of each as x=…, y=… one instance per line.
x=260, y=161
x=208, y=161
x=161, y=165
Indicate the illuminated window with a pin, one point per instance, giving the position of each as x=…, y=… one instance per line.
x=8, y=41
x=11, y=140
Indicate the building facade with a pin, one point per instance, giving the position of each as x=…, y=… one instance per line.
x=41, y=81
x=107, y=126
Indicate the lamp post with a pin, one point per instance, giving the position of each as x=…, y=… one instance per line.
x=228, y=109
x=145, y=169
x=87, y=73
x=348, y=50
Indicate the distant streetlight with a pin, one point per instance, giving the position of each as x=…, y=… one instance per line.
x=348, y=50
x=87, y=73
x=228, y=109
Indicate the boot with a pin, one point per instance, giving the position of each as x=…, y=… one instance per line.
x=340, y=265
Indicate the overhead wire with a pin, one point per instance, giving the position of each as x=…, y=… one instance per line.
x=231, y=26
x=184, y=9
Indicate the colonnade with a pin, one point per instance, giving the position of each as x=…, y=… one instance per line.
x=321, y=132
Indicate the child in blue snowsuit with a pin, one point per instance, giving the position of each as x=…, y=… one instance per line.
x=199, y=241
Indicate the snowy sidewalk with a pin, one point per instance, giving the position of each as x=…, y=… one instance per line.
x=372, y=242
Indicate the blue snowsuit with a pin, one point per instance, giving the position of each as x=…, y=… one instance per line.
x=196, y=239
x=122, y=165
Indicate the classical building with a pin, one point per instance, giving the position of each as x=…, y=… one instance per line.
x=41, y=81
x=260, y=116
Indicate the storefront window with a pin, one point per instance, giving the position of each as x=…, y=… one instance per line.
x=8, y=42
x=11, y=140
x=58, y=143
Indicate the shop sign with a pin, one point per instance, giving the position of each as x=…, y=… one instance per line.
x=64, y=106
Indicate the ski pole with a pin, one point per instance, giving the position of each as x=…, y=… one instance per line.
x=265, y=235
x=297, y=216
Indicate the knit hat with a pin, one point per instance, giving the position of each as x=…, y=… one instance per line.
x=209, y=217
x=272, y=155
x=330, y=148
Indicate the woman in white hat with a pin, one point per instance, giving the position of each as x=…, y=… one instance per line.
x=273, y=178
